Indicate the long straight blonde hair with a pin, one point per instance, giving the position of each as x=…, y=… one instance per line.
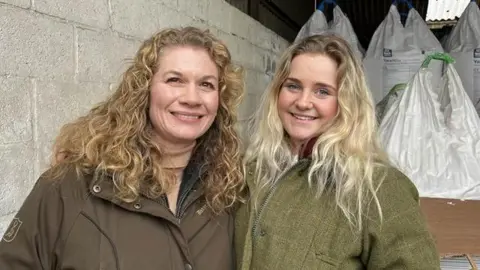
x=347, y=153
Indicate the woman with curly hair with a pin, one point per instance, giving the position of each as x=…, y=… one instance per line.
x=323, y=193
x=148, y=179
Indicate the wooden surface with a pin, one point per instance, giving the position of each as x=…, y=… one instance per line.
x=455, y=224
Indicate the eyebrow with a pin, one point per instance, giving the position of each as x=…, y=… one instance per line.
x=177, y=73
x=295, y=80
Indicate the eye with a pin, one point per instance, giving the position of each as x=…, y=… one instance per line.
x=292, y=86
x=322, y=92
x=174, y=80
x=208, y=85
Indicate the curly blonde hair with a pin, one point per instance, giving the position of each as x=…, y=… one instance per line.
x=348, y=152
x=116, y=137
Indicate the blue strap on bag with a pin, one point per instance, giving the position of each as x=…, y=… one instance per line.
x=321, y=6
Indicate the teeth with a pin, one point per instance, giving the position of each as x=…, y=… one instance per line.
x=304, y=117
x=187, y=116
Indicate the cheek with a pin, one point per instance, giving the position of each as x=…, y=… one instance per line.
x=333, y=108
x=159, y=96
x=212, y=102
x=327, y=108
x=163, y=96
x=283, y=101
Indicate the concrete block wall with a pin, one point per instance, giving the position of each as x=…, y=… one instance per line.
x=60, y=57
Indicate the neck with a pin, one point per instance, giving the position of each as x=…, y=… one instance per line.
x=296, y=147
x=303, y=149
x=176, y=156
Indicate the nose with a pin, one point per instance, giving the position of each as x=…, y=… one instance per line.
x=303, y=102
x=190, y=96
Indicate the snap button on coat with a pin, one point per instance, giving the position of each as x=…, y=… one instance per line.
x=137, y=206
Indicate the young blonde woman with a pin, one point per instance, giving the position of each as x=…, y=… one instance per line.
x=323, y=195
x=147, y=179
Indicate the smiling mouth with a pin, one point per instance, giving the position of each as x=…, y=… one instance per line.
x=186, y=116
x=303, y=117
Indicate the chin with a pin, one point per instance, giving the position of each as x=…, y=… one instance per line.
x=191, y=136
x=188, y=138
x=301, y=136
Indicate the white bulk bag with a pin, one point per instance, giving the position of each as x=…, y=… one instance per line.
x=382, y=107
x=396, y=52
x=439, y=151
x=340, y=25
x=463, y=43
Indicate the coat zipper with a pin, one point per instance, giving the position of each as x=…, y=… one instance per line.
x=183, y=208
x=267, y=199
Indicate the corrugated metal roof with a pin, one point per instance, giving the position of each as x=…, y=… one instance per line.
x=439, y=10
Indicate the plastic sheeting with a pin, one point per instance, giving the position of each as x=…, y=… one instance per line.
x=396, y=52
x=463, y=44
x=438, y=148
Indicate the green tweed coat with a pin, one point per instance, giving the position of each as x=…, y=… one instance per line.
x=296, y=231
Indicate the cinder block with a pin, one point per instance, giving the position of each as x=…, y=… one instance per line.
x=246, y=53
x=242, y=131
x=251, y=81
x=196, y=9
x=35, y=45
x=259, y=58
x=57, y=104
x=90, y=12
x=279, y=44
x=16, y=179
x=18, y=3
x=15, y=109
x=248, y=106
x=199, y=23
x=263, y=81
x=102, y=56
x=261, y=36
x=4, y=222
x=240, y=23
x=232, y=44
x=219, y=13
x=269, y=62
x=145, y=17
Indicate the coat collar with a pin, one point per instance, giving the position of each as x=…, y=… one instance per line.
x=307, y=149
x=101, y=185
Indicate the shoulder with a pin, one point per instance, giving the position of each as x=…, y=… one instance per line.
x=393, y=185
x=54, y=200
x=396, y=193
x=62, y=187
x=390, y=239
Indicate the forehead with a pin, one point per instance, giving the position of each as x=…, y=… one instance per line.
x=187, y=59
x=314, y=68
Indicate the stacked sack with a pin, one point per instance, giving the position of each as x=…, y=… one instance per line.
x=396, y=51
x=439, y=149
x=463, y=44
x=340, y=25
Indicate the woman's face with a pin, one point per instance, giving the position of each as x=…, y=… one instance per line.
x=308, y=98
x=184, y=95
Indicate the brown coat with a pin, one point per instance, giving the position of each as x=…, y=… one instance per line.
x=76, y=223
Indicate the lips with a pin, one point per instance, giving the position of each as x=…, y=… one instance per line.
x=187, y=116
x=303, y=117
